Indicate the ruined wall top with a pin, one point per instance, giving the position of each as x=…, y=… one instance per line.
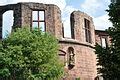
x=82, y=27
x=83, y=14
x=30, y=4
x=23, y=16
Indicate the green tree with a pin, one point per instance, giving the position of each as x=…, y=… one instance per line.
x=109, y=57
x=29, y=55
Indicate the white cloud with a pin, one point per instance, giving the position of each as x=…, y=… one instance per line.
x=102, y=22
x=2, y=2
x=95, y=7
x=90, y=6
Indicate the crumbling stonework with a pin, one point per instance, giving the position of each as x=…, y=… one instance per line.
x=81, y=61
x=23, y=16
x=99, y=34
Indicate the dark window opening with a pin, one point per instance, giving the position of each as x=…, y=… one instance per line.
x=38, y=20
x=72, y=26
x=87, y=30
x=63, y=30
x=72, y=33
x=71, y=58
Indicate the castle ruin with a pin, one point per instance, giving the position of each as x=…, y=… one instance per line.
x=77, y=53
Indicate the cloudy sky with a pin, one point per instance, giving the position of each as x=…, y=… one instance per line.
x=94, y=8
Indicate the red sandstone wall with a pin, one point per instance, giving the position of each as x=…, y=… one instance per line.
x=85, y=58
x=85, y=62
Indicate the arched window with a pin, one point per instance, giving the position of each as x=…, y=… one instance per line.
x=71, y=57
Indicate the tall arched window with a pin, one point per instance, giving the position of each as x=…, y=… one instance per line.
x=71, y=57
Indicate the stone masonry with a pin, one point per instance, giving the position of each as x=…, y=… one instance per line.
x=85, y=58
x=99, y=34
x=23, y=16
x=76, y=53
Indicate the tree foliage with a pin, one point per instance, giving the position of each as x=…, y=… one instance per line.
x=29, y=55
x=109, y=57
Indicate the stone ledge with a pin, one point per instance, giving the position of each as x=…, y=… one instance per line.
x=73, y=41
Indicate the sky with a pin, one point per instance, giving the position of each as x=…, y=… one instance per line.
x=94, y=8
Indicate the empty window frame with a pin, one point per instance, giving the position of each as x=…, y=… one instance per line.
x=87, y=30
x=38, y=20
x=7, y=23
x=103, y=42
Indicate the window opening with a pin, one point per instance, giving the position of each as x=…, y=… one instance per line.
x=8, y=20
x=103, y=42
x=87, y=30
x=38, y=20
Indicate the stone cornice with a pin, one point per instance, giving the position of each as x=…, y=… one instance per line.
x=73, y=41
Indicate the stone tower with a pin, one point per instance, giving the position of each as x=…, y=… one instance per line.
x=80, y=47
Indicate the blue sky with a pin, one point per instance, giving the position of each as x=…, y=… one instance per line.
x=94, y=8
x=75, y=3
